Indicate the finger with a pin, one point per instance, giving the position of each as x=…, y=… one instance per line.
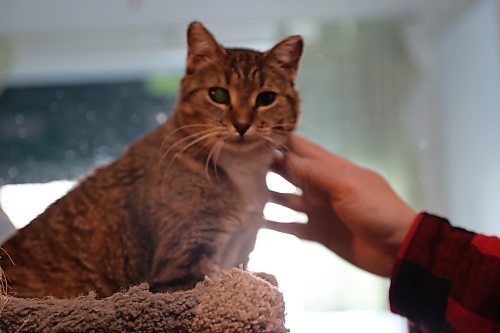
x=296, y=229
x=279, y=164
x=306, y=148
x=326, y=175
x=295, y=169
x=305, y=171
x=289, y=200
x=282, y=166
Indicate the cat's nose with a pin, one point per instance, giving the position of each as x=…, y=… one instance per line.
x=241, y=127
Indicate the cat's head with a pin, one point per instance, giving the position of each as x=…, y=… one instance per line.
x=239, y=98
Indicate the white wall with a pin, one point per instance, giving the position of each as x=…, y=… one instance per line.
x=469, y=117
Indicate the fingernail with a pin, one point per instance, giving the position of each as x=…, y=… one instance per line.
x=279, y=154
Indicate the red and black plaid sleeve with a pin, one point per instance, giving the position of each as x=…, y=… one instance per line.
x=447, y=279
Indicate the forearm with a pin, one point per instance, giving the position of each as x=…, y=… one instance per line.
x=447, y=277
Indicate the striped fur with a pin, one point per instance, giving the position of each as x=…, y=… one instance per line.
x=185, y=200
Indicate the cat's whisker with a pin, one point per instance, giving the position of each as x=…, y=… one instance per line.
x=284, y=128
x=183, y=128
x=210, y=155
x=217, y=147
x=181, y=141
x=207, y=162
x=203, y=137
x=196, y=136
x=274, y=143
x=219, y=144
x=278, y=126
x=166, y=138
x=187, y=138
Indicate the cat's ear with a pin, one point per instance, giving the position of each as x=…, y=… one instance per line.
x=287, y=54
x=202, y=46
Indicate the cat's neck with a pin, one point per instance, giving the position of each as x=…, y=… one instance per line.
x=255, y=162
x=248, y=174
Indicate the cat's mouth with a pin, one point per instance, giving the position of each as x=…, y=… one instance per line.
x=242, y=141
x=247, y=141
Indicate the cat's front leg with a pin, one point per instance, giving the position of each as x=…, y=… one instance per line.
x=186, y=265
x=240, y=243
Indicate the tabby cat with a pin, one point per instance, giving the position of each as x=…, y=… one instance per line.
x=185, y=200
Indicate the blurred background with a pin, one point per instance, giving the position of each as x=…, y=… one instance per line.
x=408, y=88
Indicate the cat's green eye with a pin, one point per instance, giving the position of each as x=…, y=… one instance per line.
x=265, y=98
x=219, y=95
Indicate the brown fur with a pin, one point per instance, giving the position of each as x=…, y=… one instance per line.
x=184, y=201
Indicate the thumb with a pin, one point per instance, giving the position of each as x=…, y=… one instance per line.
x=321, y=174
x=296, y=229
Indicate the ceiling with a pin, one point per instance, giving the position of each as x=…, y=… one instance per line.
x=77, y=38
x=49, y=15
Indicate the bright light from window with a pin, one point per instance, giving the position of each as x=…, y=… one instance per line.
x=278, y=213
x=310, y=277
x=277, y=183
x=23, y=202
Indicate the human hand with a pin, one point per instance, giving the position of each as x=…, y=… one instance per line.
x=351, y=210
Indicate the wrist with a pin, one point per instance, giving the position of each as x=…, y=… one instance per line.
x=403, y=247
x=403, y=229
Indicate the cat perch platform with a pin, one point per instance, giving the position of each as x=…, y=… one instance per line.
x=234, y=301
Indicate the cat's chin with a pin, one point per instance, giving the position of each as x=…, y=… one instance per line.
x=243, y=144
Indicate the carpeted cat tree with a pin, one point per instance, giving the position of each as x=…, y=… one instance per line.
x=234, y=301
